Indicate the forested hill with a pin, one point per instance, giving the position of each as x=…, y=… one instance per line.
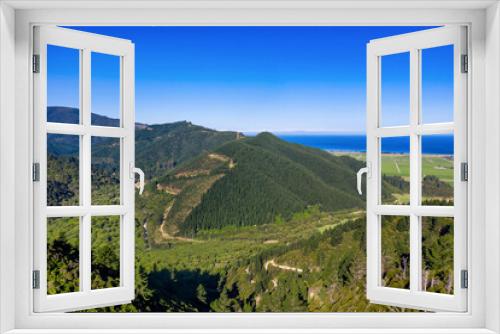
x=205, y=179
x=71, y=115
x=229, y=223
x=159, y=147
x=257, y=180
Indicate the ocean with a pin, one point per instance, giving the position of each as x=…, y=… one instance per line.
x=432, y=144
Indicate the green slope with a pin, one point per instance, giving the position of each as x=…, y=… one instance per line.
x=158, y=147
x=165, y=146
x=268, y=178
x=329, y=168
x=259, y=208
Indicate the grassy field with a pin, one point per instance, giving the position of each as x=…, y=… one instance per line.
x=399, y=165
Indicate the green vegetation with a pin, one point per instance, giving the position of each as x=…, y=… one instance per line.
x=437, y=177
x=396, y=251
x=62, y=180
x=314, y=262
x=437, y=254
x=165, y=146
x=105, y=260
x=440, y=166
x=272, y=178
x=62, y=255
x=396, y=165
x=235, y=224
x=162, y=147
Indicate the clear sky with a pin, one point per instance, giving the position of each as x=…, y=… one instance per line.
x=251, y=79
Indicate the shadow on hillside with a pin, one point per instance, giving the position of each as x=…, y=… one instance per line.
x=182, y=291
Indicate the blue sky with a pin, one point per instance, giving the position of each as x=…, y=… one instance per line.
x=251, y=79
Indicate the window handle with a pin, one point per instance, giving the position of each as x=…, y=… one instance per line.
x=359, y=176
x=141, y=179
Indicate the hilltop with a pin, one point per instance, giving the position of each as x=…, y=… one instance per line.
x=254, y=181
x=159, y=147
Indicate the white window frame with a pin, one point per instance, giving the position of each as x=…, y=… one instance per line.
x=413, y=44
x=16, y=20
x=85, y=44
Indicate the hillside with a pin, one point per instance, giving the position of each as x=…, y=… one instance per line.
x=237, y=224
x=315, y=262
x=159, y=147
x=71, y=115
x=210, y=179
x=255, y=181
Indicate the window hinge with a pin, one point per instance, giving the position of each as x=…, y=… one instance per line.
x=465, y=64
x=36, y=63
x=36, y=279
x=464, y=280
x=36, y=172
x=464, y=171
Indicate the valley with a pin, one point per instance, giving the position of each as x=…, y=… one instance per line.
x=229, y=223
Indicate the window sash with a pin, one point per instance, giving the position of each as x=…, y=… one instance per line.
x=85, y=297
x=413, y=43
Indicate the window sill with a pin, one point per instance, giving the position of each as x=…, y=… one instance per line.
x=254, y=331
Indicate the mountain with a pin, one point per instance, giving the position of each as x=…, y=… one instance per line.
x=159, y=147
x=229, y=223
x=162, y=147
x=72, y=115
x=207, y=179
x=254, y=181
x=68, y=145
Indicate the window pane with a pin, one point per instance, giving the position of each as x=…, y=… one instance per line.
x=396, y=251
x=395, y=169
x=395, y=89
x=105, y=171
x=437, y=254
x=63, y=84
x=437, y=84
x=63, y=255
x=105, y=252
x=437, y=170
x=63, y=164
x=105, y=89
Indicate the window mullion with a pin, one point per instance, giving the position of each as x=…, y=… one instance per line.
x=86, y=182
x=415, y=233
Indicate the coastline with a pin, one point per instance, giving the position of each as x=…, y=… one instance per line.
x=342, y=152
x=440, y=146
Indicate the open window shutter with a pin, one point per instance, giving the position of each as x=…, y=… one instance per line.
x=69, y=221
x=402, y=279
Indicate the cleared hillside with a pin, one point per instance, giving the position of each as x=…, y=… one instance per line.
x=255, y=181
x=159, y=147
